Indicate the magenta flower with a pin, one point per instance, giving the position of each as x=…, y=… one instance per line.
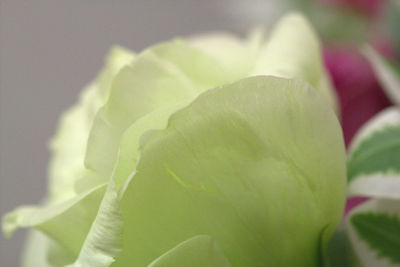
x=360, y=95
x=368, y=7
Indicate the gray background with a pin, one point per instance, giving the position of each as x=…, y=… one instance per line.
x=49, y=50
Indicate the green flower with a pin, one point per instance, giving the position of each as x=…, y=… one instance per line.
x=205, y=151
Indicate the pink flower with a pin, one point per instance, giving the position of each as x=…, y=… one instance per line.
x=360, y=95
x=359, y=92
x=368, y=7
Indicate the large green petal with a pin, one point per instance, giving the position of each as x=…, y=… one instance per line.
x=198, y=251
x=68, y=146
x=294, y=51
x=259, y=165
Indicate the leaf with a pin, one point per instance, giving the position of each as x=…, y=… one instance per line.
x=391, y=22
x=232, y=165
x=337, y=249
x=381, y=231
x=387, y=73
x=374, y=159
x=374, y=231
x=198, y=251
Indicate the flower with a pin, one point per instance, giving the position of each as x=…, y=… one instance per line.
x=207, y=151
x=368, y=7
x=360, y=95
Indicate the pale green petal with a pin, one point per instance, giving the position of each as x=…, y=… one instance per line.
x=238, y=56
x=387, y=74
x=104, y=241
x=160, y=76
x=198, y=251
x=35, y=250
x=129, y=146
x=40, y=250
x=67, y=223
x=294, y=51
x=58, y=255
x=233, y=165
x=374, y=159
x=117, y=58
x=374, y=232
x=68, y=146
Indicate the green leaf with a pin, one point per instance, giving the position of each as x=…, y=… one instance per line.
x=337, y=249
x=334, y=23
x=232, y=165
x=381, y=231
x=374, y=160
x=392, y=22
x=381, y=151
x=374, y=231
x=388, y=73
x=198, y=251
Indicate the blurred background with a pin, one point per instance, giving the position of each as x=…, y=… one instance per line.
x=49, y=50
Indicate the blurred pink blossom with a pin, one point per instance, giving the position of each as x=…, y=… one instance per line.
x=360, y=95
x=368, y=7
